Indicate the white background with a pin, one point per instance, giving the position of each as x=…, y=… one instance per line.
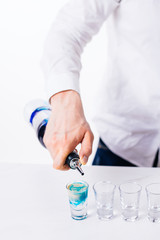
x=23, y=29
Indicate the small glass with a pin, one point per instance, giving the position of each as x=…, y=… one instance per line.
x=104, y=195
x=78, y=196
x=153, y=199
x=129, y=197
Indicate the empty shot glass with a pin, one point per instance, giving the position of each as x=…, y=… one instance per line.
x=153, y=199
x=78, y=196
x=130, y=197
x=104, y=195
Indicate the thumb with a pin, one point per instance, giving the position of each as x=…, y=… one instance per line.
x=86, y=147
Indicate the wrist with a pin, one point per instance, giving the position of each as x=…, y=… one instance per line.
x=64, y=95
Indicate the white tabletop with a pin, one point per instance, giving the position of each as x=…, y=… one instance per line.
x=34, y=204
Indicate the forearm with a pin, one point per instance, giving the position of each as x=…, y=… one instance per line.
x=73, y=28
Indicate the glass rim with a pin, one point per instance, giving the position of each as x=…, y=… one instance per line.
x=126, y=192
x=152, y=192
x=77, y=181
x=103, y=181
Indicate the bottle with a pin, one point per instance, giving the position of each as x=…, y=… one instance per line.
x=37, y=112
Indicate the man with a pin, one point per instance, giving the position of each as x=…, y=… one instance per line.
x=127, y=104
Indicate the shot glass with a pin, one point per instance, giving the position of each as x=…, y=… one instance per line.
x=129, y=197
x=153, y=199
x=104, y=195
x=78, y=196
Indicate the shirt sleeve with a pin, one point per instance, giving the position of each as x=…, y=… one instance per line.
x=72, y=29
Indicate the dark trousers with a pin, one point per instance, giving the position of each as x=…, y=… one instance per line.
x=105, y=157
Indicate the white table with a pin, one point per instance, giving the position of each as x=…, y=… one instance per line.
x=34, y=204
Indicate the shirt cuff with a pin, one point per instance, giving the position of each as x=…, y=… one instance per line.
x=62, y=82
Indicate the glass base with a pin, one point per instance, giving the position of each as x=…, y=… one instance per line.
x=154, y=215
x=79, y=214
x=104, y=213
x=130, y=214
x=131, y=219
x=103, y=218
x=79, y=217
x=154, y=220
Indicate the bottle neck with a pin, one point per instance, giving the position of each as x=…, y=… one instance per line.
x=41, y=130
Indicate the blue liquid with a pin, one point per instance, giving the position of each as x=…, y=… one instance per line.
x=78, y=193
x=77, y=187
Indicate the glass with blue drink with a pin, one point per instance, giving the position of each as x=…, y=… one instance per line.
x=78, y=199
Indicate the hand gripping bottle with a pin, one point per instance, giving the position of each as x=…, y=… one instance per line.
x=37, y=113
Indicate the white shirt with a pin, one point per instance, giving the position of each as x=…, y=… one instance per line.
x=127, y=105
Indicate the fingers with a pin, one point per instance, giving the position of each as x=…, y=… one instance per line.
x=59, y=163
x=59, y=147
x=86, y=147
x=59, y=155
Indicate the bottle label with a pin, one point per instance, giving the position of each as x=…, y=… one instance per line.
x=36, y=111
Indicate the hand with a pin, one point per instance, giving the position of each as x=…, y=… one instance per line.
x=66, y=128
